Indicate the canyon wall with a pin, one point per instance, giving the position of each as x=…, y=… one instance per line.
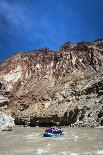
x=43, y=87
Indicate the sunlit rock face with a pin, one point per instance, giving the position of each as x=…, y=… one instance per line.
x=49, y=88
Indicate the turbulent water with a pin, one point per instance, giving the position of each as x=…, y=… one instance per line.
x=28, y=141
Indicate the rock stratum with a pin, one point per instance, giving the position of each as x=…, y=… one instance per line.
x=43, y=87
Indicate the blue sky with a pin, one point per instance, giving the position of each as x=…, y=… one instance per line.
x=31, y=24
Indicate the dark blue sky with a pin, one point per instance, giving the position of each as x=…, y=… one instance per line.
x=31, y=24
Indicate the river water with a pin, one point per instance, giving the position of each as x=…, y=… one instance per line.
x=28, y=141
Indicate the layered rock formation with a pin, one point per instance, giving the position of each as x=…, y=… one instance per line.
x=43, y=87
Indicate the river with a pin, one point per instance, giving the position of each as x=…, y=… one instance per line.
x=28, y=141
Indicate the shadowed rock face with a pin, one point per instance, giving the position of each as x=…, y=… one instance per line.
x=56, y=88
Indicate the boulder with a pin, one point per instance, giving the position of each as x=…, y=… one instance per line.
x=6, y=122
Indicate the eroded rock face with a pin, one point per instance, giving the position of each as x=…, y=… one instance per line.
x=56, y=88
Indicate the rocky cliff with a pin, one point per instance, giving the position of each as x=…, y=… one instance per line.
x=43, y=87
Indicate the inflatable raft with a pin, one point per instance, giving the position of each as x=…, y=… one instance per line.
x=48, y=134
x=52, y=132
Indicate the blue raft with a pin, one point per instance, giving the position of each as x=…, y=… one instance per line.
x=48, y=134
